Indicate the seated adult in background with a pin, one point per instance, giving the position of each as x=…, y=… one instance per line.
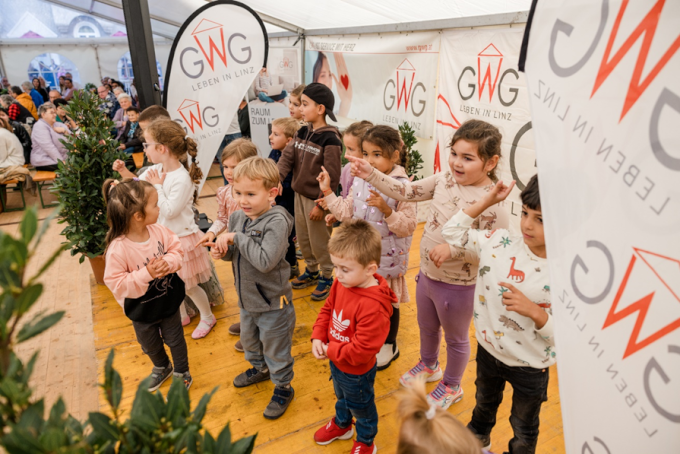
x=16, y=111
x=41, y=91
x=263, y=83
x=5, y=84
x=11, y=151
x=62, y=116
x=76, y=85
x=25, y=100
x=18, y=130
x=131, y=138
x=110, y=105
x=69, y=89
x=53, y=96
x=47, y=147
x=35, y=95
x=120, y=118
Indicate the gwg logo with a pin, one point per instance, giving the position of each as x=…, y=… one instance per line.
x=488, y=61
x=405, y=90
x=193, y=115
x=209, y=37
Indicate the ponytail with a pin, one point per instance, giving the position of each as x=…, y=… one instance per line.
x=123, y=199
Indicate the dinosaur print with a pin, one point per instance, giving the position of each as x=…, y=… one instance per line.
x=488, y=220
x=547, y=305
x=482, y=300
x=490, y=233
x=487, y=340
x=515, y=274
x=498, y=334
x=483, y=270
x=510, y=323
x=546, y=288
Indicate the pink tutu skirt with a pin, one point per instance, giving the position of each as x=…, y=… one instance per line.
x=196, y=268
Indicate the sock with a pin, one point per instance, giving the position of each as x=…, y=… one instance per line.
x=394, y=327
x=200, y=299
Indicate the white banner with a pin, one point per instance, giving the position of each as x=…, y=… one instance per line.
x=389, y=79
x=478, y=78
x=605, y=100
x=216, y=55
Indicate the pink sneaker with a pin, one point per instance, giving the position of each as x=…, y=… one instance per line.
x=186, y=320
x=444, y=396
x=421, y=369
x=203, y=328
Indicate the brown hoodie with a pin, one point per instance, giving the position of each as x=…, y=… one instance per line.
x=304, y=156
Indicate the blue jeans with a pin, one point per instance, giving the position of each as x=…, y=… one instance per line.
x=356, y=397
x=229, y=138
x=530, y=390
x=262, y=96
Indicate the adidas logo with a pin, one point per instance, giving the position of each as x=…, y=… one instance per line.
x=338, y=323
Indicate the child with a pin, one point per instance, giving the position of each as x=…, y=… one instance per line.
x=350, y=330
x=142, y=259
x=396, y=221
x=233, y=154
x=131, y=138
x=283, y=131
x=352, y=141
x=295, y=103
x=513, y=322
x=427, y=429
x=146, y=117
x=167, y=146
x=315, y=145
x=257, y=247
x=446, y=282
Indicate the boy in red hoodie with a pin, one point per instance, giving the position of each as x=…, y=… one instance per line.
x=350, y=330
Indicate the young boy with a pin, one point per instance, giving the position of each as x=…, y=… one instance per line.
x=131, y=138
x=257, y=246
x=283, y=131
x=315, y=145
x=512, y=315
x=350, y=330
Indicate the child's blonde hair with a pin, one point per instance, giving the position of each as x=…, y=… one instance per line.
x=258, y=169
x=288, y=125
x=358, y=129
x=429, y=429
x=357, y=240
x=297, y=91
x=240, y=149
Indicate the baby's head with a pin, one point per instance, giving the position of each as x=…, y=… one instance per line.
x=352, y=138
x=475, y=152
x=383, y=148
x=355, y=251
x=255, y=185
x=234, y=153
x=283, y=131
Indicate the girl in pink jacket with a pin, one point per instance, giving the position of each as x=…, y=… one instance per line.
x=142, y=260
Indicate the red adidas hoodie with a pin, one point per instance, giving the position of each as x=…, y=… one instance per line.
x=354, y=323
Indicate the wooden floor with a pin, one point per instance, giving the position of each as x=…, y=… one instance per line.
x=68, y=353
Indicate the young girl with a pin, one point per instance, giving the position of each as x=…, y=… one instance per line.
x=446, y=282
x=295, y=102
x=427, y=429
x=352, y=140
x=142, y=259
x=167, y=146
x=396, y=221
x=235, y=152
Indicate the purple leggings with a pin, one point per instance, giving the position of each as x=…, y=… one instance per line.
x=447, y=306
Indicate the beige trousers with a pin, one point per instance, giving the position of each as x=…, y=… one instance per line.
x=312, y=237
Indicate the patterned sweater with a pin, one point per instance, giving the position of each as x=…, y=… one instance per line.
x=510, y=337
x=226, y=205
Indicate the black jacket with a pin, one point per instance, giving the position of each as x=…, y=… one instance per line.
x=24, y=138
x=135, y=142
x=244, y=121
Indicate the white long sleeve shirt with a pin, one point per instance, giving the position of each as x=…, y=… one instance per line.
x=511, y=338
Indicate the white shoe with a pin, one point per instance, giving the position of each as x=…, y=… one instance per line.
x=387, y=354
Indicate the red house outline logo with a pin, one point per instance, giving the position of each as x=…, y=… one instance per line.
x=405, y=69
x=211, y=31
x=193, y=111
x=492, y=56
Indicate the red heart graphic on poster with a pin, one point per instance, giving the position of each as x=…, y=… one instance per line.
x=344, y=79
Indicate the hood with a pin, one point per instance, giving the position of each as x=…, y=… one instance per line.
x=381, y=292
x=276, y=211
x=321, y=130
x=23, y=96
x=398, y=171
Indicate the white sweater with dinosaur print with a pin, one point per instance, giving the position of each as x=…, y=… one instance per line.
x=511, y=338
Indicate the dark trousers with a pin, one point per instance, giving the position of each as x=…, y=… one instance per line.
x=356, y=398
x=530, y=390
x=49, y=168
x=172, y=333
x=287, y=200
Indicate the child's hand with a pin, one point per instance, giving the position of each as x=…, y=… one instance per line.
x=118, y=165
x=376, y=200
x=154, y=178
x=215, y=251
x=440, y=253
x=322, y=202
x=359, y=167
x=330, y=220
x=318, y=349
x=324, y=180
x=516, y=301
x=121, y=147
x=162, y=268
x=207, y=238
x=152, y=268
x=498, y=193
x=224, y=241
x=316, y=214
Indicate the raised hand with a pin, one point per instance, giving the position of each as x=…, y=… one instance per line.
x=153, y=177
x=359, y=167
x=324, y=180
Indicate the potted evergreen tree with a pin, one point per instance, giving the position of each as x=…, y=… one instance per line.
x=415, y=159
x=80, y=178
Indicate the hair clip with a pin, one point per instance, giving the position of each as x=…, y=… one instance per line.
x=114, y=183
x=186, y=137
x=135, y=179
x=429, y=414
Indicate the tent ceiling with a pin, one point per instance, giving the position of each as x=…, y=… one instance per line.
x=309, y=15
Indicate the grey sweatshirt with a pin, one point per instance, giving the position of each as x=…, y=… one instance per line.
x=258, y=259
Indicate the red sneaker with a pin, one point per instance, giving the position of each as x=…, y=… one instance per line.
x=361, y=448
x=331, y=432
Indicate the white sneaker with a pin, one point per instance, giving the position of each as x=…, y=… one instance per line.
x=387, y=354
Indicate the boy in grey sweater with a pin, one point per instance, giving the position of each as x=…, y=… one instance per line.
x=257, y=241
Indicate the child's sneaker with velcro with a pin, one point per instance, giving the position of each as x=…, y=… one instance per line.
x=421, y=369
x=305, y=280
x=363, y=448
x=444, y=396
x=158, y=376
x=331, y=432
x=185, y=377
x=323, y=288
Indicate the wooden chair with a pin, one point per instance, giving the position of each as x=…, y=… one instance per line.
x=42, y=178
x=3, y=195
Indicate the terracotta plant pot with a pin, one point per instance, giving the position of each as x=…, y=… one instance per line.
x=98, y=265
